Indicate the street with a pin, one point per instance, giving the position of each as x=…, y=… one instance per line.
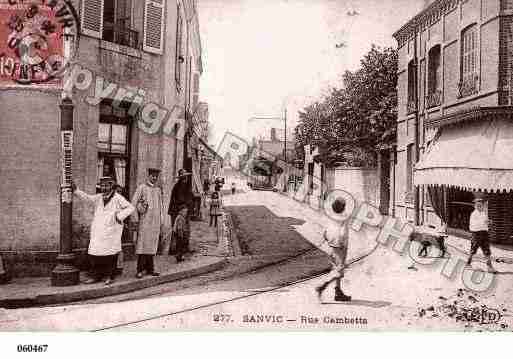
x=386, y=293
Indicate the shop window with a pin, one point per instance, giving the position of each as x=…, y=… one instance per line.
x=469, y=52
x=434, y=78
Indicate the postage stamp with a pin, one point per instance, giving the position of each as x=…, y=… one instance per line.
x=38, y=39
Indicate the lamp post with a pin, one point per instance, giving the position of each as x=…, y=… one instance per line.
x=65, y=273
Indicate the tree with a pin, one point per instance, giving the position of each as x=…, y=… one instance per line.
x=357, y=118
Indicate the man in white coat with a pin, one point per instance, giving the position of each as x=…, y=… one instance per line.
x=110, y=210
x=149, y=218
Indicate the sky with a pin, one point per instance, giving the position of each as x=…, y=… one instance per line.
x=262, y=56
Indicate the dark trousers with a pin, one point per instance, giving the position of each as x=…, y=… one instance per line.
x=103, y=266
x=145, y=263
x=182, y=247
x=480, y=240
x=213, y=219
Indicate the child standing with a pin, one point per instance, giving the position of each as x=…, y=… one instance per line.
x=214, y=208
x=181, y=233
x=478, y=226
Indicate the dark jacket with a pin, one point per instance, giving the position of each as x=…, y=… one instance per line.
x=181, y=194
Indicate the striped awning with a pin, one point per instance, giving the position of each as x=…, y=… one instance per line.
x=475, y=156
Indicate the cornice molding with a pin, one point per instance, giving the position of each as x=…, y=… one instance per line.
x=473, y=114
x=424, y=19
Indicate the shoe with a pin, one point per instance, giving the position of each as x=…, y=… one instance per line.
x=341, y=297
x=155, y=274
x=109, y=281
x=139, y=275
x=319, y=290
x=91, y=281
x=491, y=269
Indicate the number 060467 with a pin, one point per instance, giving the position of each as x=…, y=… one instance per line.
x=32, y=348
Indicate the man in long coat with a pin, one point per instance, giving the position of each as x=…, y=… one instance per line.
x=149, y=218
x=111, y=209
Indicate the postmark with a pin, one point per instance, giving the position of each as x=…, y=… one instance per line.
x=38, y=40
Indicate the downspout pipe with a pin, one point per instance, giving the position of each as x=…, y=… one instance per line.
x=416, y=189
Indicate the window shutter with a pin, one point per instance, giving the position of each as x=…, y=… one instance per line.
x=154, y=26
x=92, y=18
x=195, y=91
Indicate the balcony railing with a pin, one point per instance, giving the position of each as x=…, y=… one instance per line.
x=434, y=99
x=411, y=106
x=468, y=86
x=120, y=34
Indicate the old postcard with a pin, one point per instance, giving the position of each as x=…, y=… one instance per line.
x=310, y=165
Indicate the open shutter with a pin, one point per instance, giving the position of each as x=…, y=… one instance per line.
x=154, y=26
x=92, y=18
x=195, y=90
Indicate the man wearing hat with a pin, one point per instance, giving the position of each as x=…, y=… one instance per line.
x=181, y=195
x=478, y=226
x=111, y=209
x=149, y=218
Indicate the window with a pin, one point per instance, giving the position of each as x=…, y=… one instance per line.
x=434, y=78
x=469, y=53
x=411, y=106
x=112, y=138
x=117, y=17
x=179, y=60
x=409, y=172
x=113, y=144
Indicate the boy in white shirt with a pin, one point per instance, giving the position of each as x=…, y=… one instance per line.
x=478, y=226
x=336, y=235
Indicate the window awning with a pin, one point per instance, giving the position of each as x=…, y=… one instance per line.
x=477, y=156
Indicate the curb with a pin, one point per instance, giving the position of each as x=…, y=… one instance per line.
x=229, y=236
x=115, y=289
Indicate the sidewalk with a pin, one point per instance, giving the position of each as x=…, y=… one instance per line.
x=208, y=256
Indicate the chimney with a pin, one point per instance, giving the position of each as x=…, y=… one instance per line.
x=273, y=135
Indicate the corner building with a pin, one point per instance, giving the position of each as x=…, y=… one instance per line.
x=455, y=92
x=151, y=48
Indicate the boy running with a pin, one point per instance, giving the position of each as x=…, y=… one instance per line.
x=337, y=239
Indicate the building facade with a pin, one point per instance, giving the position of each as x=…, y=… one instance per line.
x=455, y=89
x=135, y=74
